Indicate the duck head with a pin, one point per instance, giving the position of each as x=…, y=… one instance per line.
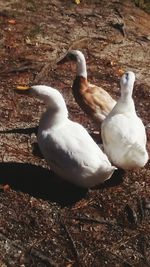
x=78, y=57
x=127, y=83
x=72, y=55
x=51, y=96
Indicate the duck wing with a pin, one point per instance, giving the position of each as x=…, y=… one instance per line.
x=123, y=130
x=98, y=100
x=71, y=147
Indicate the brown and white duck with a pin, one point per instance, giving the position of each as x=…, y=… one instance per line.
x=92, y=99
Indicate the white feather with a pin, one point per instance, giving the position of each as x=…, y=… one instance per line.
x=123, y=133
x=67, y=146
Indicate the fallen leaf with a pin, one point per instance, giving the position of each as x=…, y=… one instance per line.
x=12, y=21
x=120, y=72
x=77, y=2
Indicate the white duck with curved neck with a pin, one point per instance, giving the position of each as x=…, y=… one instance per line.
x=56, y=111
x=81, y=63
x=123, y=133
x=67, y=146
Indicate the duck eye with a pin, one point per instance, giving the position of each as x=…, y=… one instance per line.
x=127, y=76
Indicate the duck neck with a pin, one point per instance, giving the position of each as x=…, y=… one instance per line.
x=56, y=112
x=126, y=98
x=81, y=66
x=126, y=94
x=53, y=118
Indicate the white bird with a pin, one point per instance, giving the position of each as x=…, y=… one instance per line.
x=66, y=145
x=93, y=100
x=123, y=133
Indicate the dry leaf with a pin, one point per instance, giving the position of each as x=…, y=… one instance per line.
x=77, y=2
x=120, y=72
x=12, y=21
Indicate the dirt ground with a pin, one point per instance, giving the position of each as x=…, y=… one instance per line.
x=45, y=221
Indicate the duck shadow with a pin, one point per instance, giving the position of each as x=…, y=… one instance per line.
x=43, y=183
x=116, y=179
x=96, y=137
x=40, y=183
x=28, y=130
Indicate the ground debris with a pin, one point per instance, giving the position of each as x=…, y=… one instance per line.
x=43, y=220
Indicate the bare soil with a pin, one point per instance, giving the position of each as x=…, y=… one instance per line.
x=45, y=221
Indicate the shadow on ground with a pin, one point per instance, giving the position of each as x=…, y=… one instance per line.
x=29, y=130
x=43, y=183
x=40, y=183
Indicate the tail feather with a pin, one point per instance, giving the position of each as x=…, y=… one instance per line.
x=137, y=154
x=139, y=148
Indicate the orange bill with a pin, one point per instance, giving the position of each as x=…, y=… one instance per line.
x=23, y=87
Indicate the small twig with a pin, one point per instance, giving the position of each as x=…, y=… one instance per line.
x=120, y=258
x=141, y=208
x=131, y=215
x=124, y=241
x=91, y=220
x=118, y=12
x=32, y=251
x=73, y=245
x=43, y=258
x=119, y=26
x=20, y=69
x=142, y=245
x=42, y=73
x=84, y=40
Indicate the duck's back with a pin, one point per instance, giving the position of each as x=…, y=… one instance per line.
x=93, y=100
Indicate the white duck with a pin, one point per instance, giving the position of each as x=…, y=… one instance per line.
x=66, y=145
x=123, y=133
x=93, y=100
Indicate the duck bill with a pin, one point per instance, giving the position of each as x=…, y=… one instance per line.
x=63, y=60
x=69, y=56
x=23, y=89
